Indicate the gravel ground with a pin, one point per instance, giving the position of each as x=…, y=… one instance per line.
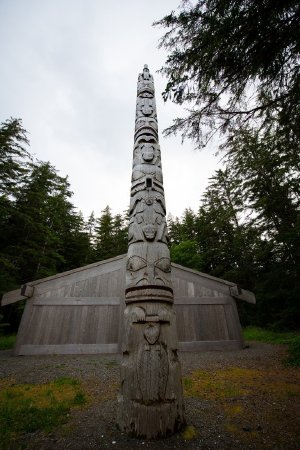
x=270, y=420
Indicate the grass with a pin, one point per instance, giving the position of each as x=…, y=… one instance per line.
x=220, y=385
x=189, y=433
x=236, y=383
x=291, y=339
x=7, y=342
x=26, y=408
x=254, y=403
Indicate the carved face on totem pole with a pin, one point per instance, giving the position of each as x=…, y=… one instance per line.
x=146, y=131
x=148, y=264
x=146, y=153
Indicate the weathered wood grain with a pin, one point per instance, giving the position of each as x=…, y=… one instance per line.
x=208, y=346
x=12, y=297
x=62, y=349
x=76, y=301
x=53, y=316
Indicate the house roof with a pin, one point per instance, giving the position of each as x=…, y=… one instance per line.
x=26, y=291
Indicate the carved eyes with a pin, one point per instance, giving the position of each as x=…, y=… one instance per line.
x=163, y=264
x=149, y=122
x=136, y=263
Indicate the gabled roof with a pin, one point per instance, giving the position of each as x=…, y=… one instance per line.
x=27, y=289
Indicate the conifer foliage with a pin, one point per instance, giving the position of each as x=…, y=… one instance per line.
x=233, y=62
x=41, y=231
x=247, y=228
x=234, y=65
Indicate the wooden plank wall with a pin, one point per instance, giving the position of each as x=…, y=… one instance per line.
x=82, y=312
x=77, y=313
x=207, y=317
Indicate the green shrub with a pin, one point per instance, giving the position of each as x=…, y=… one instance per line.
x=26, y=408
x=7, y=342
x=291, y=339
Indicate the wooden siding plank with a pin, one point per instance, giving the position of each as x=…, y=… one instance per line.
x=75, y=278
x=12, y=297
x=45, y=319
x=67, y=349
x=24, y=325
x=220, y=300
x=205, y=313
x=207, y=346
x=117, y=261
x=233, y=322
x=58, y=320
x=76, y=301
x=242, y=294
x=91, y=326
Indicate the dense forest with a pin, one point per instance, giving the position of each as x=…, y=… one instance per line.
x=233, y=67
x=41, y=231
x=246, y=229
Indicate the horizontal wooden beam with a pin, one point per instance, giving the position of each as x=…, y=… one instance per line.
x=76, y=301
x=27, y=290
x=12, y=297
x=67, y=349
x=221, y=300
x=207, y=346
x=242, y=294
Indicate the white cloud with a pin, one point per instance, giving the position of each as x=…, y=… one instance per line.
x=69, y=70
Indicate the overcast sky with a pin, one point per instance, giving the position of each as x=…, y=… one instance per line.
x=69, y=70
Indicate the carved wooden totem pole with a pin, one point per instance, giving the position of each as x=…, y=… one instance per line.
x=150, y=401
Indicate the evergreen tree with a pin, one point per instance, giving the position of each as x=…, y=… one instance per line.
x=120, y=234
x=14, y=161
x=89, y=229
x=111, y=235
x=226, y=234
x=75, y=242
x=14, y=157
x=104, y=235
x=184, y=248
x=268, y=174
x=31, y=229
x=232, y=61
x=186, y=254
x=236, y=65
x=269, y=178
x=174, y=229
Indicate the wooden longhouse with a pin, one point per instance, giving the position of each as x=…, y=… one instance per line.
x=81, y=311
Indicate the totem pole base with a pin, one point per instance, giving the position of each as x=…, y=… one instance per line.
x=150, y=421
x=151, y=398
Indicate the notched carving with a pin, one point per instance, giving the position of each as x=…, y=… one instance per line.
x=138, y=314
x=151, y=332
x=146, y=153
x=147, y=218
x=149, y=232
x=146, y=122
x=145, y=107
x=148, y=269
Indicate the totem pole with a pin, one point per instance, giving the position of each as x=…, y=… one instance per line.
x=150, y=401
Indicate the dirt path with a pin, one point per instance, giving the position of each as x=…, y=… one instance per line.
x=234, y=400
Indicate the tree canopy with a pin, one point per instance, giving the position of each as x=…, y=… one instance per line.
x=247, y=228
x=234, y=65
x=41, y=231
x=232, y=62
